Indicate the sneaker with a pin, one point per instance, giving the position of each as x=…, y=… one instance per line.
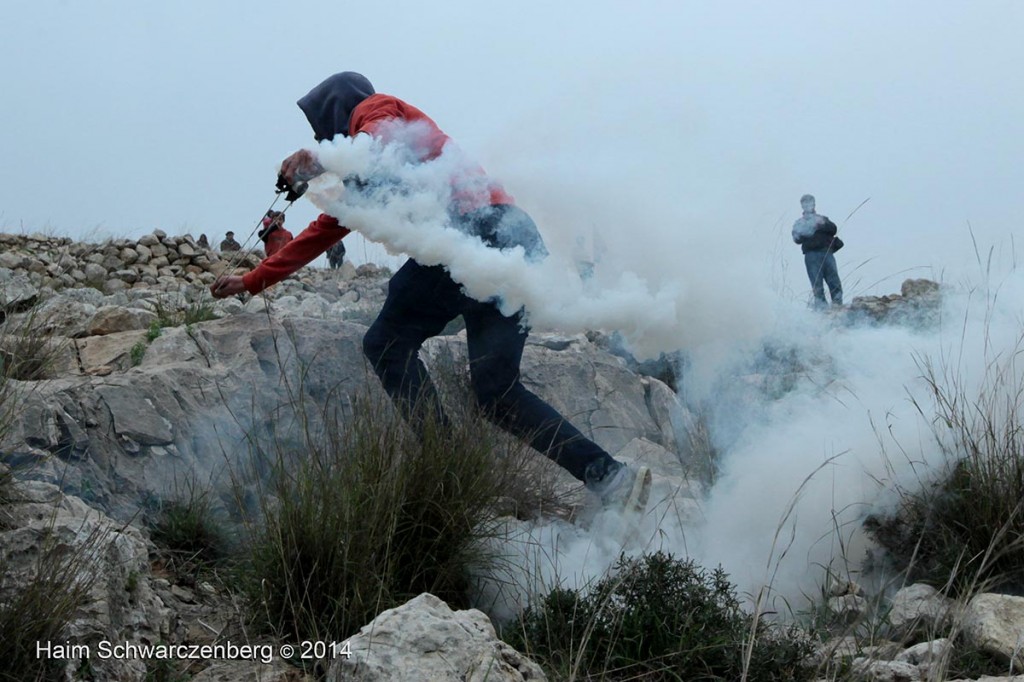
x=627, y=488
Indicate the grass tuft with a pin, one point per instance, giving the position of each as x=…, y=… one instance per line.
x=25, y=354
x=965, y=528
x=189, y=532
x=40, y=608
x=362, y=519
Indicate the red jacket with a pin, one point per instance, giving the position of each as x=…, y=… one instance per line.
x=474, y=190
x=276, y=240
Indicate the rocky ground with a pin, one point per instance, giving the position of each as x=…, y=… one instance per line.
x=148, y=382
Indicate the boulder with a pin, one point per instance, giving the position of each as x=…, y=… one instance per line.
x=110, y=560
x=581, y=383
x=112, y=350
x=425, y=640
x=919, y=608
x=993, y=623
x=927, y=653
x=16, y=291
x=347, y=271
x=112, y=319
x=114, y=285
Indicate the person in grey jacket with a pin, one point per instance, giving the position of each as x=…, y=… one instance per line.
x=816, y=235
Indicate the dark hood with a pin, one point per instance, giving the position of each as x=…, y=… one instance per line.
x=328, y=106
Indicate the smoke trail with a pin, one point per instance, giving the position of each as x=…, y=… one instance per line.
x=405, y=206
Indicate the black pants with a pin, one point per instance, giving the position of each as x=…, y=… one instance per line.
x=421, y=301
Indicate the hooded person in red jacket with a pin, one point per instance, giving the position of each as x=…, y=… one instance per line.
x=272, y=234
x=422, y=299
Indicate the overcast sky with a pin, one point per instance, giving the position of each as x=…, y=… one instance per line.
x=120, y=117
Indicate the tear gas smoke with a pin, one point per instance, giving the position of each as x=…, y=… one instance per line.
x=405, y=206
x=800, y=466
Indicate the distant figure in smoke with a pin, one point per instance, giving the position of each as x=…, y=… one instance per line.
x=336, y=255
x=816, y=235
x=584, y=262
x=229, y=243
x=203, y=242
x=272, y=233
x=422, y=299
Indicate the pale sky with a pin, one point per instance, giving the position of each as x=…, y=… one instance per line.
x=120, y=117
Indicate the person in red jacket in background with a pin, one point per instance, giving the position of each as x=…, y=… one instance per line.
x=421, y=300
x=272, y=234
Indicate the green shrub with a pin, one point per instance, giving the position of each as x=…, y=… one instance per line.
x=359, y=520
x=199, y=311
x=154, y=331
x=138, y=352
x=175, y=312
x=656, y=618
x=189, y=532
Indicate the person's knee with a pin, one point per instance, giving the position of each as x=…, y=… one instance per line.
x=376, y=342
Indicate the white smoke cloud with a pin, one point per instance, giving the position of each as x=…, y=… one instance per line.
x=408, y=213
x=802, y=466
x=801, y=469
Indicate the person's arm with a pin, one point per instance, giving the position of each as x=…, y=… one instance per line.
x=798, y=235
x=321, y=234
x=827, y=227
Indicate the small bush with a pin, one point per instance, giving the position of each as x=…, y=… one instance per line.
x=154, y=331
x=964, y=529
x=656, y=618
x=25, y=353
x=187, y=529
x=175, y=312
x=363, y=519
x=138, y=352
x=199, y=311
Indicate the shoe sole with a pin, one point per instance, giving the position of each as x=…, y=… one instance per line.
x=640, y=492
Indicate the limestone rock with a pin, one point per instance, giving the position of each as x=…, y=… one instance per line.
x=113, y=285
x=993, y=623
x=885, y=671
x=347, y=271
x=927, y=653
x=425, y=640
x=111, y=319
x=251, y=671
x=110, y=559
x=919, y=607
x=109, y=350
x=16, y=290
x=135, y=411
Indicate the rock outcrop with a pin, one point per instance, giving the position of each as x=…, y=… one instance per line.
x=425, y=640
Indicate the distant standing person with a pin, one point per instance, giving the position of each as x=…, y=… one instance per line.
x=335, y=255
x=229, y=243
x=203, y=242
x=816, y=235
x=272, y=234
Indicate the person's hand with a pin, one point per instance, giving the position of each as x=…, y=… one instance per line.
x=300, y=167
x=227, y=285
